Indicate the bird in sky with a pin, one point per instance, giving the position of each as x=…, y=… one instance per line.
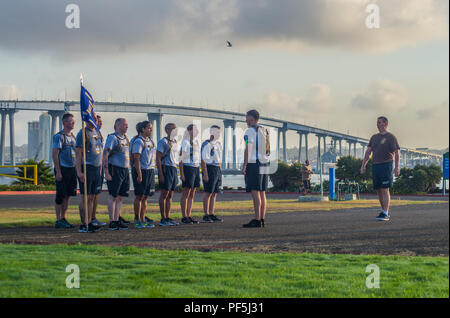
x=229, y=44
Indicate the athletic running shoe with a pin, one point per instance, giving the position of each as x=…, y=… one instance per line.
x=164, y=222
x=383, y=217
x=149, y=220
x=138, y=224
x=253, y=223
x=113, y=226
x=83, y=228
x=206, y=219
x=123, y=221
x=172, y=222
x=93, y=228
x=215, y=218
x=60, y=225
x=68, y=225
x=148, y=225
x=193, y=221
x=98, y=223
x=122, y=226
x=186, y=221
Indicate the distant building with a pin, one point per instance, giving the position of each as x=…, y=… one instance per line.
x=44, y=137
x=33, y=139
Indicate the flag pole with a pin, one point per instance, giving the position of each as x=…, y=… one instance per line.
x=84, y=166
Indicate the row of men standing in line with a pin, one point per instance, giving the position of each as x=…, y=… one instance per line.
x=111, y=161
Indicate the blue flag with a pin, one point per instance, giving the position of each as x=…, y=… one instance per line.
x=87, y=107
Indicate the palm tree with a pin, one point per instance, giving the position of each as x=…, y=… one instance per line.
x=45, y=174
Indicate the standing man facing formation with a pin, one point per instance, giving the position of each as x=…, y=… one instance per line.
x=116, y=162
x=256, y=160
x=386, y=150
x=94, y=151
x=63, y=155
x=306, y=177
x=211, y=154
x=167, y=172
x=189, y=172
x=143, y=172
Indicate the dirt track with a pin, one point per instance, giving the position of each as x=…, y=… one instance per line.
x=413, y=230
x=47, y=200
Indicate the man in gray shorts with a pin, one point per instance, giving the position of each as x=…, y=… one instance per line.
x=385, y=149
x=116, y=161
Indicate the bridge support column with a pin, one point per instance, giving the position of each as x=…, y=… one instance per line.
x=363, y=150
x=324, y=144
x=11, y=137
x=53, y=115
x=340, y=147
x=354, y=149
x=284, y=145
x=300, y=135
x=232, y=125
x=306, y=147
x=278, y=142
x=156, y=120
x=2, y=137
x=60, y=122
x=318, y=152
x=226, y=124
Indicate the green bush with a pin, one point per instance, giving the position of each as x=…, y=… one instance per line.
x=420, y=179
x=315, y=187
x=45, y=174
x=349, y=168
x=287, y=177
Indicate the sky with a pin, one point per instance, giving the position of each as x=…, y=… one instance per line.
x=310, y=61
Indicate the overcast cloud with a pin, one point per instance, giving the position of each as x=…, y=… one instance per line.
x=116, y=27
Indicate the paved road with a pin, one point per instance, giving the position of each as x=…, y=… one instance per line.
x=47, y=200
x=413, y=230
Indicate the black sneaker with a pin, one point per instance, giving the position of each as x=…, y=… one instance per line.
x=83, y=229
x=186, y=221
x=206, y=219
x=253, y=223
x=149, y=220
x=215, y=218
x=383, y=216
x=262, y=222
x=121, y=226
x=93, y=228
x=98, y=223
x=68, y=225
x=113, y=226
x=193, y=221
x=60, y=225
x=123, y=221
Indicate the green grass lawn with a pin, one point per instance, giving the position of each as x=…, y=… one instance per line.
x=39, y=271
x=46, y=216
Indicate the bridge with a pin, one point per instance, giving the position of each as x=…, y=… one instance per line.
x=155, y=112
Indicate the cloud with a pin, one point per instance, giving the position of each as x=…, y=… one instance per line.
x=9, y=92
x=434, y=112
x=318, y=99
x=383, y=95
x=317, y=102
x=115, y=27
